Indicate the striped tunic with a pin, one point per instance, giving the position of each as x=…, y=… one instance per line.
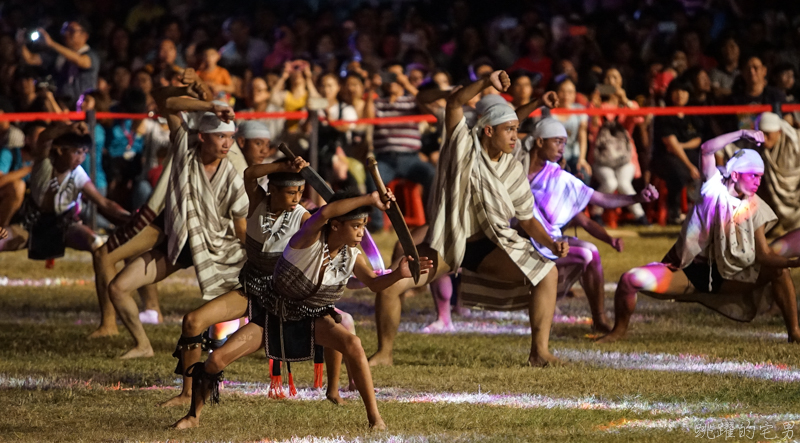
x=201, y=211
x=155, y=204
x=402, y=137
x=470, y=188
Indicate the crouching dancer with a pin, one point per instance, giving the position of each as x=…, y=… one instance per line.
x=722, y=259
x=273, y=218
x=204, y=217
x=292, y=310
x=479, y=188
x=559, y=198
x=57, y=184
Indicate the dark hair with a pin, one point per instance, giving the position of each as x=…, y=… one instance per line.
x=72, y=140
x=534, y=77
x=283, y=176
x=678, y=84
x=354, y=75
x=344, y=194
x=28, y=129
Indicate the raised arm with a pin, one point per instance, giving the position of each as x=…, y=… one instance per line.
x=611, y=201
x=708, y=163
x=454, y=112
x=427, y=98
x=251, y=175
x=173, y=99
x=310, y=231
x=45, y=141
x=549, y=99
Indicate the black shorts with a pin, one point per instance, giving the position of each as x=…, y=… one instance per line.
x=698, y=274
x=475, y=252
x=185, y=259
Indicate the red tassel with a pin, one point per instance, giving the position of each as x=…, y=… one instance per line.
x=270, y=366
x=292, y=388
x=50, y=264
x=276, y=388
x=318, y=371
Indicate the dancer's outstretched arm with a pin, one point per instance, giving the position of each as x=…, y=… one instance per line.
x=376, y=283
x=612, y=201
x=536, y=231
x=766, y=256
x=597, y=231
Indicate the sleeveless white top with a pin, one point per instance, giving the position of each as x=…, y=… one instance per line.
x=274, y=234
x=309, y=261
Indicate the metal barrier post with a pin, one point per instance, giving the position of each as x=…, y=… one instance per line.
x=313, y=145
x=91, y=122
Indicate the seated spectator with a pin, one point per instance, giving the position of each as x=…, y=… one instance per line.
x=701, y=95
x=727, y=70
x=693, y=48
x=534, y=58
x=615, y=161
x=125, y=146
x=242, y=50
x=780, y=186
x=300, y=88
x=141, y=79
x=216, y=77
x=164, y=62
x=754, y=91
x=676, y=152
x=783, y=79
x=257, y=99
x=15, y=166
x=397, y=146
x=76, y=67
x=521, y=90
x=120, y=81
x=576, y=125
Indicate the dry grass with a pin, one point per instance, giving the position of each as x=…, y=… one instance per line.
x=77, y=390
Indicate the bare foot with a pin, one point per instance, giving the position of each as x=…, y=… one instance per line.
x=542, y=360
x=601, y=326
x=151, y=317
x=178, y=400
x=461, y=311
x=104, y=331
x=438, y=327
x=380, y=359
x=794, y=336
x=187, y=422
x=352, y=386
x=379, y=425
x=138, y=353
x=334, y=398
x=611, y=337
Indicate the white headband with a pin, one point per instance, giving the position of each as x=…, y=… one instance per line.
x=210, y=123
x=549, y=127
x=496, y=114
x=253, y=129
x=489, y=100
x=745, y=160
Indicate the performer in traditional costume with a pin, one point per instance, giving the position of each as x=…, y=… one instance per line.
x=138, y=236
x=722, y=259
x=560, y=198
x=204, y=218
x=57, y=185
x=272, y=219
x=479, y=188
x=292, y=310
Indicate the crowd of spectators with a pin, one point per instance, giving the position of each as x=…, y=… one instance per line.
x=358, y=60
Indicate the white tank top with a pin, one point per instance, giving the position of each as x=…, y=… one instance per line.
x=309, y=261
x=274, y=234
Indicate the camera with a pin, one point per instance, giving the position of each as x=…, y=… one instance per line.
x=46, y=83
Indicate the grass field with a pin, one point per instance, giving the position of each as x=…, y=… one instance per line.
x=684, y=374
